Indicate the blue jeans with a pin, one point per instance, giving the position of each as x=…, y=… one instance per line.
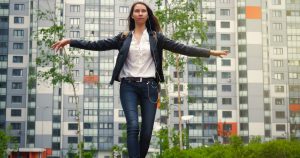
x=145, y=93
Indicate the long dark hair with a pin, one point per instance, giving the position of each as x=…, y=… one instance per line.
x=152, y=23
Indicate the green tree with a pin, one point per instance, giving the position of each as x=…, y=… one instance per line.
x=56, y=68
x=182, y=21
x=121, y=149
x=4, y=141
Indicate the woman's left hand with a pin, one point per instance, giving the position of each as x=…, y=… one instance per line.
x=219, y=53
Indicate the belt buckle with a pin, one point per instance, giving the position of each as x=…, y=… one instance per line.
x=141, y=80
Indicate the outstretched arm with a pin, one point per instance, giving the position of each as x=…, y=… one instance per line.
x=100, y=45
x=60, y=44
x=219, y=53
x=180, y=48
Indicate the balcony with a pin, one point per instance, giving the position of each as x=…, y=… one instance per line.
x=207, y=106
x=3, y=91
x=2, y=104
x=243, y=119
x=31, y=118
x=3, y=78
x=210, y=80
x=3, y=64
x=243, y=106
x=244, y=133
x=242, y=54
x=242, y=67
x=243, y=93
x=31, y=105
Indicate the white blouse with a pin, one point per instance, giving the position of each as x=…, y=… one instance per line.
x=139, y=62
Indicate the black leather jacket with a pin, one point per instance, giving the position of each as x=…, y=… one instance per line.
x=157, y=44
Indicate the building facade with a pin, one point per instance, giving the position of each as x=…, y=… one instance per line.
x=254, y=91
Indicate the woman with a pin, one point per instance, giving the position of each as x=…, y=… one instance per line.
x=139, y=69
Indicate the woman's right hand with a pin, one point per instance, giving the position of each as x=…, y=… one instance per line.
x=60, y=44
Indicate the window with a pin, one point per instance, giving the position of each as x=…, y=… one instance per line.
x=243, y=113
x=226, y=48
x=176, y=100
x=3, y=71
x=105, y=125
x=241, y=23
x=71, y=113
x=279, y=76
x=226, y=114
x=17, y=59
x=17, y=72
x=16, y=99
x=176, y=113
x=279, y=101
x=74, y=8
x=176, y=87
x=18, y=33
x=18, y=45
x=75, y=73
x=16, y=112
x=226, y=62
x=74, y=21
x=19, y=20
x=88, y=139
x=2, y=84
x=227, y=127
x=15, y=126
x=293, y=75
x=121, y=113
x=280, y=114
x=3, y=44
x=4, y=6
x=55, y=146
x=225, y=12
x=279, y=89
x=175, y=74
x=16, y=139
x=243, y=74
x=72, y=126
x=243, y=126
x=277, y=26
x=73, y=99
x=224, y=1
x=226, y=101
x=242, y=61
x=226, y=75
x=276, y=13
x=19, y=7
x=242, y=35
x=123, y=9
x=226, y=88
x=278, y=63
x=2, y=97
x=123, y=22
x=75, y=60
x=225, y=24
x=280, y=127
x=293, y=13
x=294, y=62
x=16, y=85
x=277, y=38
x=276, y=2
x=72, y=140
x=278, y=51
x=74, y=34
x=225, y=37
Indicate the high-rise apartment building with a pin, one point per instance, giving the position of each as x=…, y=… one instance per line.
x=254, y=91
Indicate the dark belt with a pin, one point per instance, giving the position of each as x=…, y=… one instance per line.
x=138, y=79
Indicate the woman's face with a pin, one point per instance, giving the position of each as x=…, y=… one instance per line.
x=140, y=14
